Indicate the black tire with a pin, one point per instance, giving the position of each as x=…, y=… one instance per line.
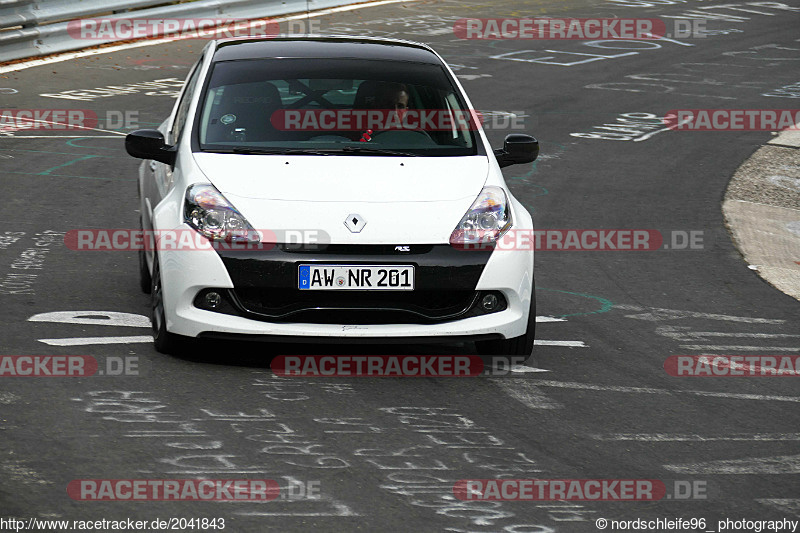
x=517, y=346
x=164, y=341
x=145, y=280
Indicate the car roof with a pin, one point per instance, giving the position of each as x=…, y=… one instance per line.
x=314, y=47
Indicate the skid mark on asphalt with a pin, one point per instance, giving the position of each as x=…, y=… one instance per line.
x=17, y=471
x=7, y=398
x=786, y=505
x=527, y=393
x=738, y=348
x=781, y=464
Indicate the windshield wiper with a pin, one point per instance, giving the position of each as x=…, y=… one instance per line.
x=373, y=150
x=279, y=151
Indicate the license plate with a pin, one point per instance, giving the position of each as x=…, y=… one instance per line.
x=356, y=277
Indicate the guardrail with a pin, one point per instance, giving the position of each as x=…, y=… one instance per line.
x=30, y=28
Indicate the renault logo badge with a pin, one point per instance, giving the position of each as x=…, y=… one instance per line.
x=355, y=223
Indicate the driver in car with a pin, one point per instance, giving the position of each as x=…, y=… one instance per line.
x=393, y=96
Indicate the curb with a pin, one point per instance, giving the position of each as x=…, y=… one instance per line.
x=762, y=212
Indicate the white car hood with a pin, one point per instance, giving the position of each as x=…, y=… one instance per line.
x=404, y=200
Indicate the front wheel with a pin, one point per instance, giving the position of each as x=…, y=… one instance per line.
x=164, y=341
x=518, y=346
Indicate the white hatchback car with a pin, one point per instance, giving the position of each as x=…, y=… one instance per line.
x=337, y=188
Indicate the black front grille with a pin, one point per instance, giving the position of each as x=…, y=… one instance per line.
x=354, y=307
x=266, y=284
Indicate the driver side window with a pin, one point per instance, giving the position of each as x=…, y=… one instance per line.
x=183, y=107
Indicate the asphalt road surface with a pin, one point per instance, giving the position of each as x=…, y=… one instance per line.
x=383, y=454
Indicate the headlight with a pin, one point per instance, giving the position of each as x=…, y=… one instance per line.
x=208, y=212
x=486, y=221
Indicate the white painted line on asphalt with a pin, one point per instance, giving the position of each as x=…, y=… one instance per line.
x=540, y=319
x=683, y=334
x=780, y=464
x=647, y=390
x=688, y=437
x=655, y=314
x=662, y=130
x=217, y=471
x=651, y=134
x=163, y=435
x=522, y=369
x=93, y=318
x=85, y=341
x=527, y=393
x=341, y=510
x=63, y=136
x=568, y=344
x=110, y=49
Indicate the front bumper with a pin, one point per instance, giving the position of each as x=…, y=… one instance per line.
x=265, y=303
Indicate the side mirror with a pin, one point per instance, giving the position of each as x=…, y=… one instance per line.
x=149, y=144
x=517, y=148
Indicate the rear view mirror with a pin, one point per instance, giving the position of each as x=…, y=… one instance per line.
x=149, y=144
x=517, y=148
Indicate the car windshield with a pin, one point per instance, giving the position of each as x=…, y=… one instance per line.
x=332, y=107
